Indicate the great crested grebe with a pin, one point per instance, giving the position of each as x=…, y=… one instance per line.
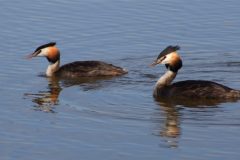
x=198, y=89
x=74, y=69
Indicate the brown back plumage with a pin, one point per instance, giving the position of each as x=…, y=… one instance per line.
x=89, y=69
x=196, y=89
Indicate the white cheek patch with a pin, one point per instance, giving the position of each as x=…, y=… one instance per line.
x=167, y=59
x=43, y=53
x=170, y=58
x=164, y=61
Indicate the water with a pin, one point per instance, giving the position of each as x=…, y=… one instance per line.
x=117, y=118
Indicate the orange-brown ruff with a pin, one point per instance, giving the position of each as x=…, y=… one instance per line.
x=193, y=89
x=75, y=69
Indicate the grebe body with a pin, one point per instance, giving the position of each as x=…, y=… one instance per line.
x=89, y=69
x=194, y=89
x=75, y=69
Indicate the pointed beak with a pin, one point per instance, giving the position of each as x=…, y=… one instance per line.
x=154, y=63
x=34, y=54
x=157, y=61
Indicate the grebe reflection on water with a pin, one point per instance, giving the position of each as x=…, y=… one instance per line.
x=189, y=89
x=47, y=98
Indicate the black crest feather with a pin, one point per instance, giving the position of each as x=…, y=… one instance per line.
x=46, y=45
x=168, y=50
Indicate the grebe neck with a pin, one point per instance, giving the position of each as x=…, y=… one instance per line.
x=166, y=79
x=52, y=68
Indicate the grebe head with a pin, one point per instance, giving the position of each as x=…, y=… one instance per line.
x=49, y=50
x=170, y=58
